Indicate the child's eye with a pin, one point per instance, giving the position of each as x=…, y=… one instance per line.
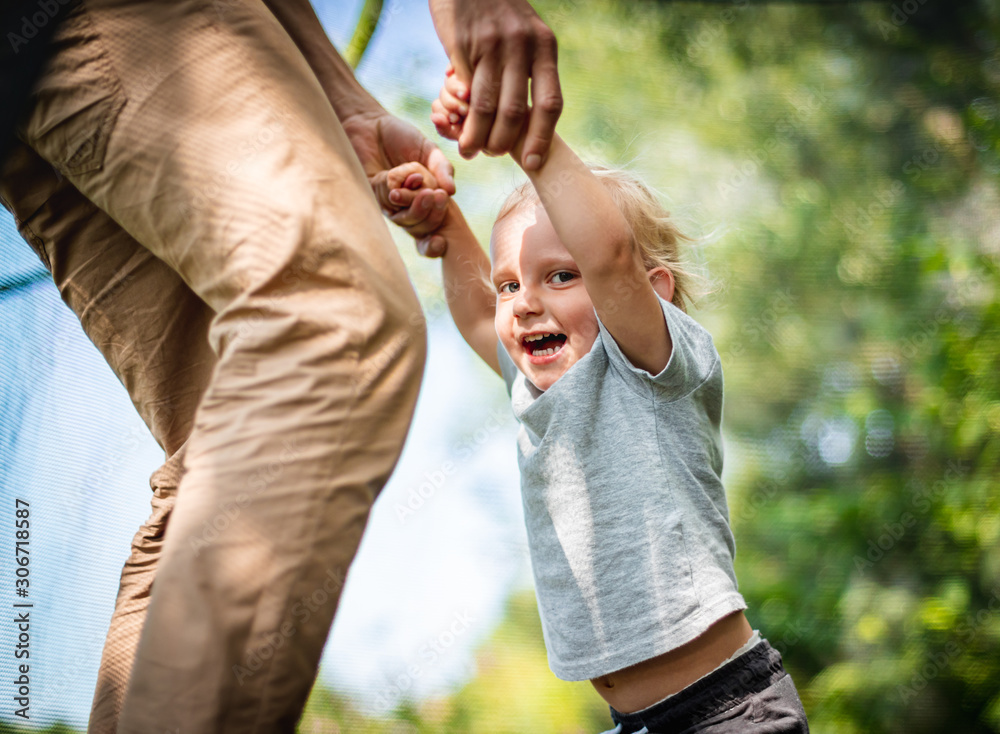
x=569, y=275
x=511, y=283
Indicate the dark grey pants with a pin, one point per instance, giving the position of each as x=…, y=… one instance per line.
x=752, y=693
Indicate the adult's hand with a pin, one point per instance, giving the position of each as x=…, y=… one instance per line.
x=496, y=46
x=383, y=141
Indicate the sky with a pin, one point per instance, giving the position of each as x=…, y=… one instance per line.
x=430, y=579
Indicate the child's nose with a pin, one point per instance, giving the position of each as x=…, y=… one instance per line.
x=527, y=302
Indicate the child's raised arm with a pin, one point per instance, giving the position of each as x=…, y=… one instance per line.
x=600, y=240
x=595, y=233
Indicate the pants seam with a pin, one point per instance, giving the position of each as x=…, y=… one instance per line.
x=109, y=74
x=266, y=687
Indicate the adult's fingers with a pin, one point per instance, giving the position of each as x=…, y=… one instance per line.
x=546, y=103
x=512, y=107
x=455, y=108
x=442, y=169
x=485, y=92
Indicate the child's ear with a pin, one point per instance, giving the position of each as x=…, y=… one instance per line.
x=662, y=279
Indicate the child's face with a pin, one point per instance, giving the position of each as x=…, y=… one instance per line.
x=539, y=290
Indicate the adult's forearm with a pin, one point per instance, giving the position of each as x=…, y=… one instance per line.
x=346, y=95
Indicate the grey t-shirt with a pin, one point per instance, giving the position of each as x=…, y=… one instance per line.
x=626, y=514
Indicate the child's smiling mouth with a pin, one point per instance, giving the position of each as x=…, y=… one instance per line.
x=543, y=347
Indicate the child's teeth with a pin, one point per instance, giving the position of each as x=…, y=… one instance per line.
x=545, y=352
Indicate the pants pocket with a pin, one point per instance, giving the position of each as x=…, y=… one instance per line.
x=76, y=102
x=778, y=709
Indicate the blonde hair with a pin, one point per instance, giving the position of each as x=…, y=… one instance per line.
x=653, y=231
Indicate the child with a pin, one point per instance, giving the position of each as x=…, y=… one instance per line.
x=619, y=396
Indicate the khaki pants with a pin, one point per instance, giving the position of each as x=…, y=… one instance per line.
x=187, y=183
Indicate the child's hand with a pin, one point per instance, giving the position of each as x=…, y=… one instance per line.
x=449, y=110
x=397, y=189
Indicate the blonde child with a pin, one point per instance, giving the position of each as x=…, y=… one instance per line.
x=619, y=396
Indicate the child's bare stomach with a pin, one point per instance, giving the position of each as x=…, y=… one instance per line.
x=645, y=683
